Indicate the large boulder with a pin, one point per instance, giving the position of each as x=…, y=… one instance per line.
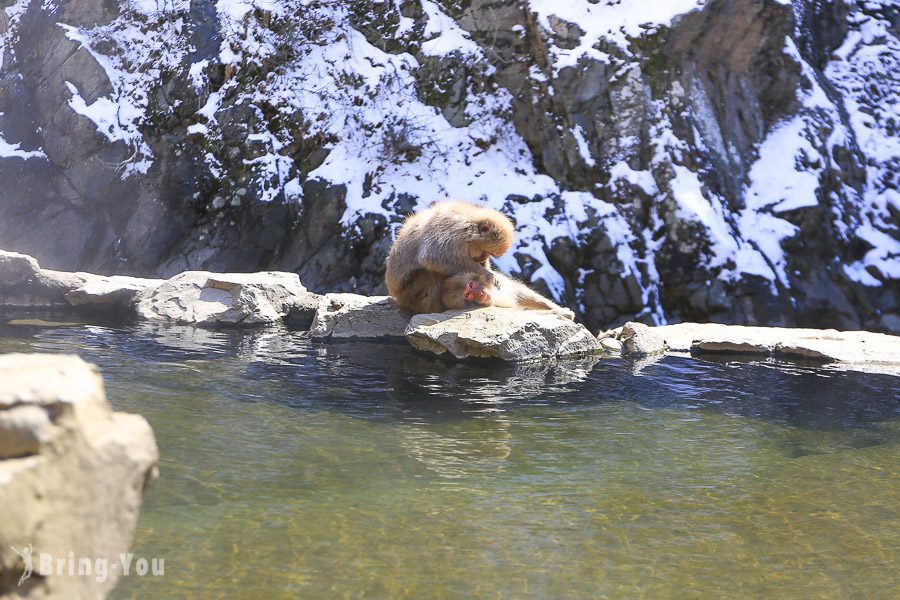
x=355, y=316
x=507, y=334
x=212, y=299
x=72, y=475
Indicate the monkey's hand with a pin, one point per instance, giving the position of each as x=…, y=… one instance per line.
x=567, y=313
x=487, y=279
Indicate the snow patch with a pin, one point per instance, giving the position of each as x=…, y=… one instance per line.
x=444, y=35
x=777, y=182
x=137, y=55
x=8, y=150
x=642, y=179
x=612, y=20
x=583, y=148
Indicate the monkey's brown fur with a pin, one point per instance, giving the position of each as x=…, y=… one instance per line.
x=441, y=261
x=443, y=240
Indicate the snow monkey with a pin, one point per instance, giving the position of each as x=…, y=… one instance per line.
x=441, y=260
x=445, y=239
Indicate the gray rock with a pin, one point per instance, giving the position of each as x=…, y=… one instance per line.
x=116, y=293
x=611, y=345
x=507, y=334
x=856, y=350
x=26, y=284
x=641, y=340
x=16, y=269
x=303, y=312
x=23, y=429
x=72, y=473
x=213, y=299
x=355, y=316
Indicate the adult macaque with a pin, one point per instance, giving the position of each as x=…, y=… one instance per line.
x=441, y=261
x=439, y=242
x=468, y=290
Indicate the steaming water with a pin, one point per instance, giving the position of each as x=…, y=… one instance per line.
x=305, y=470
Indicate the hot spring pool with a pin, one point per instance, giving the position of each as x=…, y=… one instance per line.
x=348, y=470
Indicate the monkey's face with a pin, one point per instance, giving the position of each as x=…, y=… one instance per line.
x=475, y=293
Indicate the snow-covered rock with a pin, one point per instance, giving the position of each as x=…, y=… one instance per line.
x=72, y=474
x=507, y=334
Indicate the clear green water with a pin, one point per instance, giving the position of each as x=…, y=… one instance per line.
x=299, y=470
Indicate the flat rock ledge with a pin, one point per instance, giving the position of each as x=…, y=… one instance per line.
x=209, y=299
x=195, y=298
x=72, y=474
x=23, y=283
x=355, y=316
x=501, y=333
x=206, y=299
x=849, y=350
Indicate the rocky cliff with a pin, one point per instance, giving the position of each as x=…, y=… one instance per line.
x=725, y=160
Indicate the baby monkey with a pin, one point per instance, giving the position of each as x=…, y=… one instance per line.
x=469, y=290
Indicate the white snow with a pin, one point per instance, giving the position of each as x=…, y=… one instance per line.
x=583, y=149
x=642, y=179
x=443, y=35
x=133, y=68
x=611, y=20
x=8, y=150
x=151, y=7
x=864, y=71
x=198, y=128
x=777, y=182
x=195, y=72
x=695, y=206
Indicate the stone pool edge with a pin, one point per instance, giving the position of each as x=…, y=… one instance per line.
x=205, y=299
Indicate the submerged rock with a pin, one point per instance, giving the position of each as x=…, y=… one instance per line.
x=211, y=299
x=72, y=474
x=355, y=316
x=611, y=345
x=507, y=334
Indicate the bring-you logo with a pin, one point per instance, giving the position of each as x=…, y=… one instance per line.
x=80, y=566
